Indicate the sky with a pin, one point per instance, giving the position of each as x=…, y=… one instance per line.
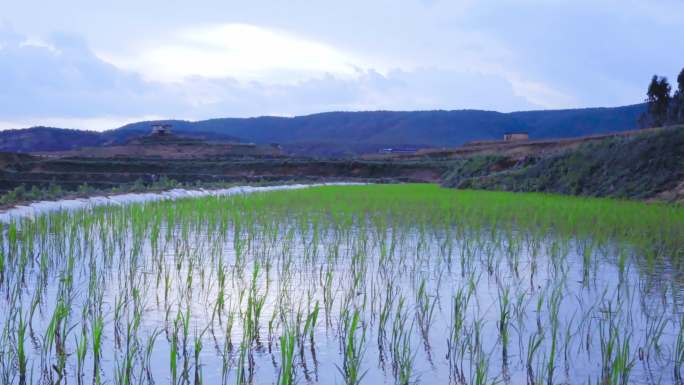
x=98, y=65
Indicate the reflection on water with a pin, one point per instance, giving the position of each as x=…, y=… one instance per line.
x=437, y=303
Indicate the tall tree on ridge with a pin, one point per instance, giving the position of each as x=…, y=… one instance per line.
x=658, y=99
x=678, y=100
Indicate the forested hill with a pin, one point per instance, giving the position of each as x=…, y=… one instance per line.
x=349, y=133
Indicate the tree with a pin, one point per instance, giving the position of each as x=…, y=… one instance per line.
x=658, y=99
x=677, y=114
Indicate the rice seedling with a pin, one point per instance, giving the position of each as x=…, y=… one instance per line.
x=554, y=325
x=533, y=345
x=124, y=365
x=97, y=328
x=55, y=336
x=679, y=354
x=504, y=320
x=149, y=351
x=81, y=350
x=197, y=351
x=425, y=310
x=2, y=264
x=354, y=338
x=21, y=350
x=310, y=325
x=241, y=377
x=287, y=344
x=173, y=353
x=455, y=342
x=371, y=263
x=402, y=351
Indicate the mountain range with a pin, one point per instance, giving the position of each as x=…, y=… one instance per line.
x=348, y=133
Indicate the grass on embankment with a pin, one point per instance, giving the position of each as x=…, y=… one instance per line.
x=636, y=167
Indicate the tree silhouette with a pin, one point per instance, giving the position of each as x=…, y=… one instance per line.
x=677, y=104
x=658, y=99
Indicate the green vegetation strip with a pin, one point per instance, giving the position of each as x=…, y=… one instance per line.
x=345, y=284
x=656, y=227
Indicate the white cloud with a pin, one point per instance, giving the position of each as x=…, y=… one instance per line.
x=239, y=51
x=40, y=43
x=555, y=53
x=541, y=94
x=62, y=83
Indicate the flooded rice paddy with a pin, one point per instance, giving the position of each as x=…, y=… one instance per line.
x=381, y=284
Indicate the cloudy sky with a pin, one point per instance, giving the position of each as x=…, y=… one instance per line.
x=97, y=65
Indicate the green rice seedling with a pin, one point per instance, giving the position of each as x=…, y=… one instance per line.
x=622, y=261
x=6, y=373
x=220, y=296
x=679, y=353
x=401, y=348
x=386, y=307
x=2, y=263
x=567, y=343
x=533, y=344
x=119, y=303
x=311, y=321
x=504, y=320
x=425, y=310
x=586, y=261
x=149, y=349
x=272, y=324
x=124, y=369
x=622, y=362
x=21, y=350
x=354, y=338
x=56, y=335
x=81, y=350
x=97, y=327
x=240, y=377
x=230, y=320
x=351, y=247
x=287, y=344
x=197, y=351
x=173, y=352
x=225, y=365
x=553, y=308
x=455, y=343
x=608, y=339
x=185, y=324
x=481, y=371
x=538, y=310
x=328, y=295
x=255, y=304
x=655, y=327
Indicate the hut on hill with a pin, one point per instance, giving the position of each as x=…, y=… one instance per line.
x=516, y=136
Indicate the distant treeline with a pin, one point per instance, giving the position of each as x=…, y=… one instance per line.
x=664, y=107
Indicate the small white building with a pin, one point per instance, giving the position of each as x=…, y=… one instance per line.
x=515, y=136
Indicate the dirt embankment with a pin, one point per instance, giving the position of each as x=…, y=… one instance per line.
x=675, y=194
x=648, y=164
x=109, y=172
x=516, y=150
x=645, y=164
x=8, y=159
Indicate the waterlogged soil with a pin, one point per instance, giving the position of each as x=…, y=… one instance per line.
x=437, y=302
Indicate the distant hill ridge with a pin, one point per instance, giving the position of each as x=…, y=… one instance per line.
x=348, y=133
